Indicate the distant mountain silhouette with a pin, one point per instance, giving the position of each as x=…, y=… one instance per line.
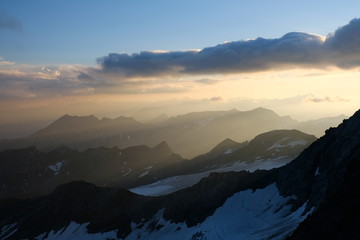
x=320, y=185
x=189, y=135
x=269, y=150
x=29, y=172
x=318, y=126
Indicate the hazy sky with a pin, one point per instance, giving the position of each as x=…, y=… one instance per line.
x=113, y=58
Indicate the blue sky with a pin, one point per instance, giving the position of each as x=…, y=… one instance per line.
x=78, y=32
x=82, y=57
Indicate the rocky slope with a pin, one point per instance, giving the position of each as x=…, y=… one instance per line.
x=29, y=172
x=234, y=205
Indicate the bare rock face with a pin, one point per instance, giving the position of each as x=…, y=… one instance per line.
x=320, y=170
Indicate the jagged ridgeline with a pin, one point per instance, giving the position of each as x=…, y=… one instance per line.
x=265, y=204
x=189, y=135
x=29, y=172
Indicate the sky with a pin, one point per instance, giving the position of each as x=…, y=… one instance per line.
x=144, y=58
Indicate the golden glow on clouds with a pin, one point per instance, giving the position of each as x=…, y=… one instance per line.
x=321, y=93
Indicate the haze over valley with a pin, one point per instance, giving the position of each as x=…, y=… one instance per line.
x=183, y=120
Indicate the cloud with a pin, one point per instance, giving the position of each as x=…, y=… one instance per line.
x=318, y=100
x=295, y=49
x=207, y=81
x=181, y=71
x=9, y=23
x=216, y=99
x=325, y=99
x=40, y=82
x=3, y=62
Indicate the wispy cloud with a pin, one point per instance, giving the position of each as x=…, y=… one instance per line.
x=178, y=72
x=216, y=99
x=41, y=82
x=9, y=23
x=325, y=99
x=3, y=62
x=207, y=81
x=295, y=49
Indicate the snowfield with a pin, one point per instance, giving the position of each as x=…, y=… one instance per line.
x=247, y=215
x=173, y=184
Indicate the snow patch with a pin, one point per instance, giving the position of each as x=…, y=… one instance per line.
x=149, y=167
x=175, y=183
x=169, y=185
x=290, y=144
x=153, y=189
x=251, y=215
x=229, y=151
x=317, y=171
x=76, y=231
x=56, y=167
x=129, y=171
x=144, y=174
x=7, y=231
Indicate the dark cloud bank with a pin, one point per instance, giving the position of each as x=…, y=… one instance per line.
x=341, y=49
x=296, y=49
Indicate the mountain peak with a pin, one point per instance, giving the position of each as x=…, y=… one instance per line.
x=225, y=146
x=163, y=148
x=162, y=145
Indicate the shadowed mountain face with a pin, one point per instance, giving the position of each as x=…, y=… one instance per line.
x=265, y=147
x=29, y=172
x=189, y=135
x=260, y=205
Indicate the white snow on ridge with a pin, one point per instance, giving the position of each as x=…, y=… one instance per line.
x=169, y=185
x=173, y=184
x=229, y=151
x=56, y=167
x=317, y=171
x=76, y=231
x=129, y=171
x=298, y=142
x=246, y=215
x=144, y=174
x=8, y=230
x=250, y=215
x=290, y=144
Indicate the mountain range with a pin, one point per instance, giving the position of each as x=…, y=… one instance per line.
x=264, y=204
x=189, y=135
x=283, y=184
x=29, y=172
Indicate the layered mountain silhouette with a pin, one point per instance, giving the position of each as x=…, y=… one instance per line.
x=189, y=135
x=29, y=172
x=264, y=147
x=266, y=151
x=266, y=204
